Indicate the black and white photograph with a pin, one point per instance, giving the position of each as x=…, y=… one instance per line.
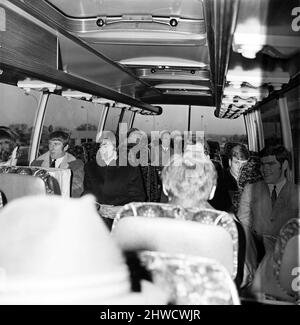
x=149, y=155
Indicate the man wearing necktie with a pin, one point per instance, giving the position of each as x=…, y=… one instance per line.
x=52, y=163
x=267, y=205
x=274, y=196
x=58, y=157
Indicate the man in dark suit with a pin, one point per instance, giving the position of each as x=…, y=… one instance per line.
x=267, y=205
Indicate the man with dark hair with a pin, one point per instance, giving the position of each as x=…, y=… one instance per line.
x=58, y=157
x=227, y=181
x=267, y=205
x=8, y=148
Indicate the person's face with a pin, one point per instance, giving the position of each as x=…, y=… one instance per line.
x=165, y=140
x=57, y=149
x=107, y=149
x=235, y=166
x=134, y=137
x=5, y=144
x=271, y=169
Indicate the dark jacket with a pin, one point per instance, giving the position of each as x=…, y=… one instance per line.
x=114, y=185
x=226, y=187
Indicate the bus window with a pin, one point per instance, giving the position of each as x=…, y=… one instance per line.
x=112, y=119
x=271, y=122
x=293, y=100
x=77, y=117
x=18, y=110
x=218, y=130
x=202, y=119
x=165, y=121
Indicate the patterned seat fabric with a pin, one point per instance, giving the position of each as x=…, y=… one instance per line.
x=190, y=280
x=78, y=152
x=288, y=231
x=151, y=182
x=33, y=171
x=250, y=173
x=205, y=216
x=90, y=149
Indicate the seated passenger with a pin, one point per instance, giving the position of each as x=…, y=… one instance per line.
x=267, y=205
x=58, y=157
x=190, y=179
x=8, y=147
x=109, y=182
x=138, y=155
x=227, y=185
x=188, y=182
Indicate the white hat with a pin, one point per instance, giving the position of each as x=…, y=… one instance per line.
x=58, y=251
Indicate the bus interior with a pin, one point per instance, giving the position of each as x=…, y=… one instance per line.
x=227, y=68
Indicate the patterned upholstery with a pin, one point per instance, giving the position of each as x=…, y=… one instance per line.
x=51, y=186
x=289, y=231
x=249, y=173
x=91, y=149
x=151, y=182
x=190, y=280
x=78, y=152
x=205, y=216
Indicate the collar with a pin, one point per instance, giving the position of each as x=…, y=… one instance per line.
x=58, y=161
x=165, y=148
x=279, y=186
x=107, y=162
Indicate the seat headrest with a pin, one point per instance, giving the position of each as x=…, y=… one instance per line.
x=175, y=236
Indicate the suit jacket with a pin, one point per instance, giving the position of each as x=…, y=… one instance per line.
x=114, y=185
x=256, y=213
x=262, y=224
x=69, y=161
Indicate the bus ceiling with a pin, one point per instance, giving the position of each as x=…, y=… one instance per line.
x=227, y=54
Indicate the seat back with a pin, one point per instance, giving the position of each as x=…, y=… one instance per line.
x=287, y=258
x=290, y=267
x=14, y=186
x=190, y=280
x=175, y=236
x=170, y=211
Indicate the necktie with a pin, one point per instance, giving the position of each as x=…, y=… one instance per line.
x=53, y=163
x=274, y=196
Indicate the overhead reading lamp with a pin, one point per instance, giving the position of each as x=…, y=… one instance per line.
x=30, y=84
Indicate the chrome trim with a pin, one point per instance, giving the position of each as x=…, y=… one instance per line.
x=131, y=121
x=39, y=121
x=102, y=118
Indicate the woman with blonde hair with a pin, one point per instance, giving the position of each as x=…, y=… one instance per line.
x=189, y=181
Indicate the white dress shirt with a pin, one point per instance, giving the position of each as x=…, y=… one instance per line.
x=279, y=187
